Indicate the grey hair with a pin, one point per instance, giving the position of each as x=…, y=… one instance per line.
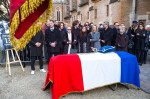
x=106, y=22
x=147, y=26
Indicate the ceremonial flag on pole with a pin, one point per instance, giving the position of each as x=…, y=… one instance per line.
x=24, y=16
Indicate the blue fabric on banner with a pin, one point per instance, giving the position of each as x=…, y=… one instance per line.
x=129, y=68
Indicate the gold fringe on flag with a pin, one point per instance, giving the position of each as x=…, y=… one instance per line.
x=25, y=10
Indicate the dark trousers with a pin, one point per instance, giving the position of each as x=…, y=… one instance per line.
x=61, y=51
x=51, y=55
x=45, y=52
x=33, y=58
x=139, y=55
x=83, y=48
x=130, y=51
x=134, y=50
x=25, y=55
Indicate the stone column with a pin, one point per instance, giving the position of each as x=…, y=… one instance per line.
x=133, y=14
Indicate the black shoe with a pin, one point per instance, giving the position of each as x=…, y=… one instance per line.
x=24, y=65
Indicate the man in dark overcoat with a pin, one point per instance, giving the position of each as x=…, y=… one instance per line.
x=37, y=51
x=52, y=38
x=75, y=32
x=107, y=35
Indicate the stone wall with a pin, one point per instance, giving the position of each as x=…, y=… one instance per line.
x=121, y=11
x=62, y=11
x=143, y=11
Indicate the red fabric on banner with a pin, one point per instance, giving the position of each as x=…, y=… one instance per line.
x=67, y=71
x=14, y=5
x=25, y=25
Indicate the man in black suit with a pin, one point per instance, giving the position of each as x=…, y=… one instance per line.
x=75, y=32
x=37, y=51
x=52, y=38
x=116, y=31
x=107, y=35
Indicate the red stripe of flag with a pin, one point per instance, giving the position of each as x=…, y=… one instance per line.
x=66, y=74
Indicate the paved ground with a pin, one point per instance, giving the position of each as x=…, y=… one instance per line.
x=145, y=76
x=22, y=85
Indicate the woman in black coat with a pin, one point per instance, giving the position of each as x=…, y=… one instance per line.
x=132, y=38
x=83, y=40
x=63, y=33
x=89, y=36
x=37, y=51
x=140, y=43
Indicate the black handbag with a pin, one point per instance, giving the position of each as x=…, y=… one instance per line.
x=131, y=44
x=120, y=46
x=146, y=48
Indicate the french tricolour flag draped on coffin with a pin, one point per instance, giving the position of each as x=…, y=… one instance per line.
x=82, y=72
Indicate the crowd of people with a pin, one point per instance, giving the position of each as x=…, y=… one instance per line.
x=60, y=38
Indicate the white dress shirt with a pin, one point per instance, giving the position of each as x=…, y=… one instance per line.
x=70, y=39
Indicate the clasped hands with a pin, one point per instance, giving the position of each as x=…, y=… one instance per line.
x=37, y=44
x=53, y=45
x=139, y=34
